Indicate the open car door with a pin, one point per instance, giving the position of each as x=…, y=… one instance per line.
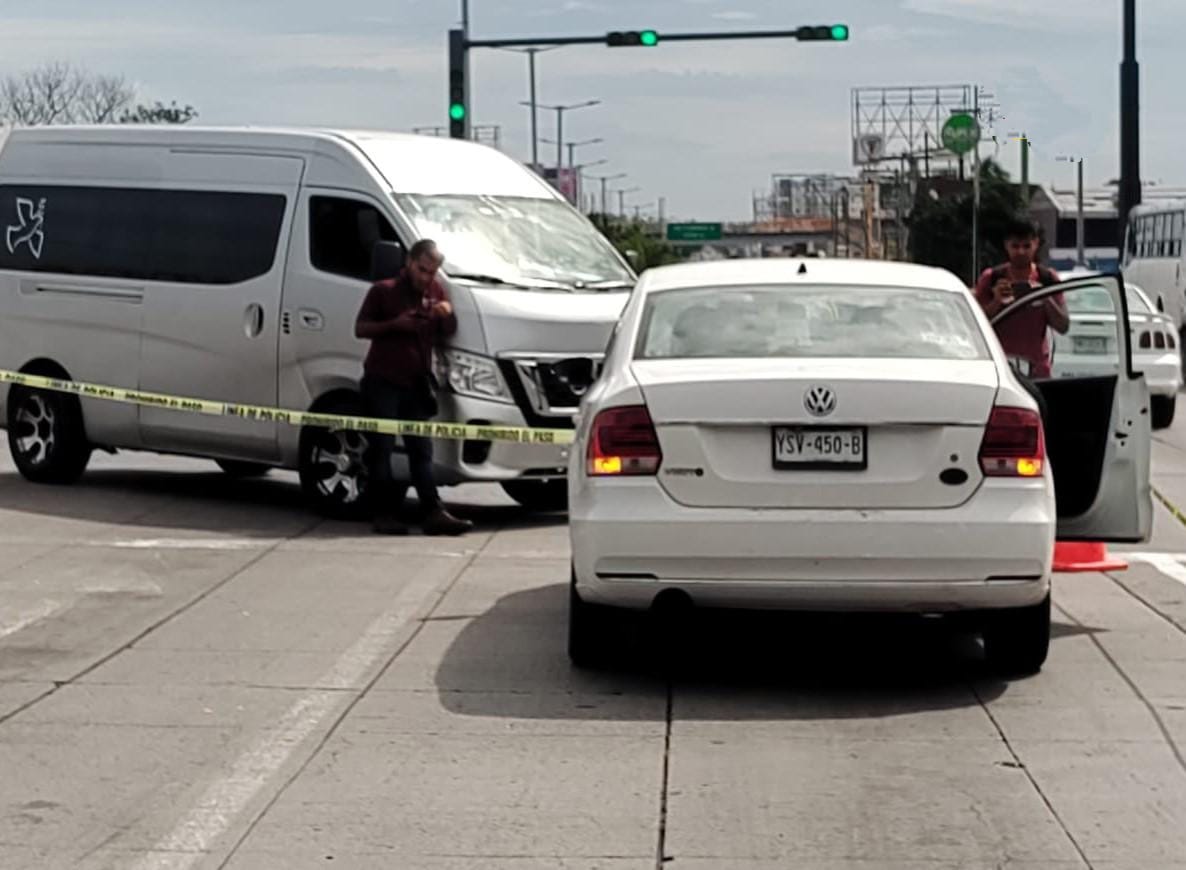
x=1097, y=415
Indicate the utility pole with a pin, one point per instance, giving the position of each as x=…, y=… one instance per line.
x=976, y=191
x=1081, y=221
x=1025, y=166
x=1080, y=217
x=1130, y=122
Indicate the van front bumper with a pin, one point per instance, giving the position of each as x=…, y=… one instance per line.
x=473, y=461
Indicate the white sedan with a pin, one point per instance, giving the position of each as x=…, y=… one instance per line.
x=1156, y=353
x=839, y=435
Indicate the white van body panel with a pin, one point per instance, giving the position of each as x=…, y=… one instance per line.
x=285, y=337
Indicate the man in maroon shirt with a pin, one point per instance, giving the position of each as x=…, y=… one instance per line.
x=405, y=318
x=1024, y=334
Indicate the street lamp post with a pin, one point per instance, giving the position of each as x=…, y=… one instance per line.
x=560, y=110
x=605, y=180
x=533, y=103
x=572, y=147
x=622, y=200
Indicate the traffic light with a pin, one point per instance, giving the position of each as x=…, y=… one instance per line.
x=458, y=99
x=619, y=38
x=828, y=32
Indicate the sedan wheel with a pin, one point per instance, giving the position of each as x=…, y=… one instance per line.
x=1017, y=641
x=1163, y=411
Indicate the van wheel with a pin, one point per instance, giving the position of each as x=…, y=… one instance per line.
x=333, y=465
x=243, y=470
x=46, y=436
x=1017, y=641
x=545, y=496
x=1163, y=411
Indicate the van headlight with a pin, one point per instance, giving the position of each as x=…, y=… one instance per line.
x=468, y=374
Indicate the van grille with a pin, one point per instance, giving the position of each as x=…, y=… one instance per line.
x=550, y=387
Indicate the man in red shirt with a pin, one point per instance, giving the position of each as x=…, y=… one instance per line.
x=406, y=318
x=1024, y=334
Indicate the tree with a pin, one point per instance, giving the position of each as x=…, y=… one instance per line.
x=58, y=93
x=633, y=236
x=941, y=225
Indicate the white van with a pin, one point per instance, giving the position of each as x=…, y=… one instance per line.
x=1153, y=256
x=230, y=265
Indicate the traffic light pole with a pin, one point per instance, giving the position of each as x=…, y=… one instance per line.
x=460, y=45
x=1130, y=122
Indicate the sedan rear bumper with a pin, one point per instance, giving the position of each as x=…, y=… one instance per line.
x=630, y=541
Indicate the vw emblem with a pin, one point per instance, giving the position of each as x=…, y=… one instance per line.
x=820, y=401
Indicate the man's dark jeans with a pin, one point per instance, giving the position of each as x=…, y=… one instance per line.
x=388, y=401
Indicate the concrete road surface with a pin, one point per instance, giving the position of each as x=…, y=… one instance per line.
x=196, y=672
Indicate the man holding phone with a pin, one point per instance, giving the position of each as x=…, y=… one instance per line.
x=1024, y=335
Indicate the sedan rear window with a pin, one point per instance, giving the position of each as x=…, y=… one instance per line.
x=861, y=322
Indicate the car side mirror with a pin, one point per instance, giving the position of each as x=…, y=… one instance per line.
x=387, y=260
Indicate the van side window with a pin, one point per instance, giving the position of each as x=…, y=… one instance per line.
x=183, y=236
x=342, y=233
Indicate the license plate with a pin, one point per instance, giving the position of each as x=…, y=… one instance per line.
x=818, y=447
x=1091, y=344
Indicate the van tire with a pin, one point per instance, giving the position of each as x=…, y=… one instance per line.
x=333, y=495
x=1017, y=641
x=46, y=436
x=1163, y=411
x=243, y=470
x=543, y=496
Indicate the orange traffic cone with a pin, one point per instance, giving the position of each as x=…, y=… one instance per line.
x=1072, y=557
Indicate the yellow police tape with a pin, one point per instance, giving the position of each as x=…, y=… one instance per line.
x=448, y=431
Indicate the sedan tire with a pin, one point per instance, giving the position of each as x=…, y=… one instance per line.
x=1017, y=641
x=597, y=635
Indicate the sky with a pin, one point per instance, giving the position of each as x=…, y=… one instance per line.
x=703, y=125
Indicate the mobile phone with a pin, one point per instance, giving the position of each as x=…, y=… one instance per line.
x=1020, y=288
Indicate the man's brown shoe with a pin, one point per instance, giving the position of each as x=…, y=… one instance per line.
x=442, y=523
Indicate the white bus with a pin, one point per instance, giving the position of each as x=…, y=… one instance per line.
x=1153, y=255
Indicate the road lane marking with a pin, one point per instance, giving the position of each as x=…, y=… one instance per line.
x=18, y=621
x=1169, y=564
x=226, y=798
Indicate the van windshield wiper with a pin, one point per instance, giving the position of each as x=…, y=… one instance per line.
x=502, y=282
x=612, y=284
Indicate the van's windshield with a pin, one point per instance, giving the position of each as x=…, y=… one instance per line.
x=520, y=241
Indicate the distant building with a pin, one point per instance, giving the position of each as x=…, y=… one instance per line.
x=1056, y=212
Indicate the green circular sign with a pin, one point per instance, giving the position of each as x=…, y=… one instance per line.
x=961, y=133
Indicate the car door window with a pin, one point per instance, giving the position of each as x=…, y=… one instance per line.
x=1096, y=412
x=343, y=233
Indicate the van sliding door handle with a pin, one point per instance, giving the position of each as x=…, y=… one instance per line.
x=253, y=321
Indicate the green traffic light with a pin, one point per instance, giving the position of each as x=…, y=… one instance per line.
x=649, y=38
x=457, y=112
x=840, y=32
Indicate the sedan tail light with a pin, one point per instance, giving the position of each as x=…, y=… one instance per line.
x=623, y=442
x=1014, y=444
